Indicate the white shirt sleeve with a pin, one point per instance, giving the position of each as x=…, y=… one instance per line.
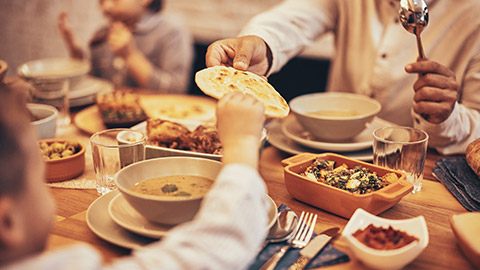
x=453, y=135
x=310, y=18
x=225, y=234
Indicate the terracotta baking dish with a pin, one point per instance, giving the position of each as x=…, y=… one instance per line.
x=335, y=200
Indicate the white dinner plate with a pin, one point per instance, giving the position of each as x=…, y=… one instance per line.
x=276, y=138
x=128, y=218
x=294, y=131
x=100, y=222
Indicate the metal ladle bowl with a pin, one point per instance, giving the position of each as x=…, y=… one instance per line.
x=414, y=17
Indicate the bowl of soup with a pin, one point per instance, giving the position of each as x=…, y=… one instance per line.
x=334, y=116
x=167, y=190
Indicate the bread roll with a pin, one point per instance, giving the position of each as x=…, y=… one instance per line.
x=473, y=156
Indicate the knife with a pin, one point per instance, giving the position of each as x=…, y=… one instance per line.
x=308, y=252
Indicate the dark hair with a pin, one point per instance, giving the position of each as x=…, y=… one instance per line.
x=156, y=5
x=14, y=122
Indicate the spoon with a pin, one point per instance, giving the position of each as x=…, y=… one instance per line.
x=414, y=17
x=283, y=228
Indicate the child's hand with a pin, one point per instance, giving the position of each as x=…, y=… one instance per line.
x=66, y=32
x=120, y=39
x=240, y=120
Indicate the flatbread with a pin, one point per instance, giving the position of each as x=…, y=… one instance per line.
x=219, y=80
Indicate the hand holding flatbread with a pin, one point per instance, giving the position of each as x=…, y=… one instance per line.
x=219, y=80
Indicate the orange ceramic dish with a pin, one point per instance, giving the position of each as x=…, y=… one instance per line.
x=335, y=200
x=65, y=168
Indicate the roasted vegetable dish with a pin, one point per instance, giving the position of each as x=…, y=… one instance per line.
x=120, y=109
x=58, y=150
x=358, y=180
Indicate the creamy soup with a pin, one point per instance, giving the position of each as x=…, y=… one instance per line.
x=334, y=113
x=174, y=186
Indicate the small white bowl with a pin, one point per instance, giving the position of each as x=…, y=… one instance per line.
x=46, y=125
x=165, y=210
x=334, y=127
x=386, y=259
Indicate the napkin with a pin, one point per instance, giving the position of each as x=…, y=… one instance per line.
x=327, y=256
x=460, y=180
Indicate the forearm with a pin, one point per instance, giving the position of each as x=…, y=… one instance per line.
x=243, y=151
x=139, y=67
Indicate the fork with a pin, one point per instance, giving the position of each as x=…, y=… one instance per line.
x=303, y=234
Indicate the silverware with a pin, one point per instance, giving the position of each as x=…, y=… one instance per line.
x=303, y=233
x=414, y=17
x=308, y=252
x=283, y=228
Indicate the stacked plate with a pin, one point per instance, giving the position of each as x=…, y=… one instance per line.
x=112, y=218
x=84, y=92
x=289, y=136
x=83, y=88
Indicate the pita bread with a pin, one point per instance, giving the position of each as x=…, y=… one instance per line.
x=219, y=80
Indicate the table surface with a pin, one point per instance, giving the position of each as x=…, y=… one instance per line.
x=434, y=202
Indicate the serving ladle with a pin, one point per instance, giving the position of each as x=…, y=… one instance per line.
x=414, y=18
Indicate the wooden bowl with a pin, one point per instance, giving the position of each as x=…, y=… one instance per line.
x=338, y=201
x=64, y=168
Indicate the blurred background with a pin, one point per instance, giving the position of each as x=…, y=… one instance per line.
x=29, y=31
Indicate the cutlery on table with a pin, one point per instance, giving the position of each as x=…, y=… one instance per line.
x=311, y=250
x=283, y=229
x=303, y=233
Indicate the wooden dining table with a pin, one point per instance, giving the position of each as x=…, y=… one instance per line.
x=434, y=202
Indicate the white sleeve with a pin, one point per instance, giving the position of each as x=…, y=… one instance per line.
x=453, y=135
x=290, y=26
x=225, y=234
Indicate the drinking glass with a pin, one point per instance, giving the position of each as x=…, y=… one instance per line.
x=401, y=148
x=113, y=149
x=53, y=92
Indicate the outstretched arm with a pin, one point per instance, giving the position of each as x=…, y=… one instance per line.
x=65, y=29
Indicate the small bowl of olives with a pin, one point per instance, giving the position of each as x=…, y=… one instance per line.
x=65, y=159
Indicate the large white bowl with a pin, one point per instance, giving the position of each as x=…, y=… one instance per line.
x=386, y=259
x=54, y=69
x=165, y=210
x=334, y=128
x=46, y=125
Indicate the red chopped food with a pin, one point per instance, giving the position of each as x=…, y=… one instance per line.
x=384, y=239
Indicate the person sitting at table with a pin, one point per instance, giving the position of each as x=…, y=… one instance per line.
x=140, y=47
x=225, y=234
x=372, y=55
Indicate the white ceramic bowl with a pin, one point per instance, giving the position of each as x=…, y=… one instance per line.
x=165, y=210
x=54, y=69
x=46, y=125
x=338, y=127
x=386, y=259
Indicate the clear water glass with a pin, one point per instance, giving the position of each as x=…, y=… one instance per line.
x=113, y=149
x=402, y=148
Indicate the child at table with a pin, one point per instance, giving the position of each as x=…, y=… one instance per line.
x=225, y=234
x=140, y=47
